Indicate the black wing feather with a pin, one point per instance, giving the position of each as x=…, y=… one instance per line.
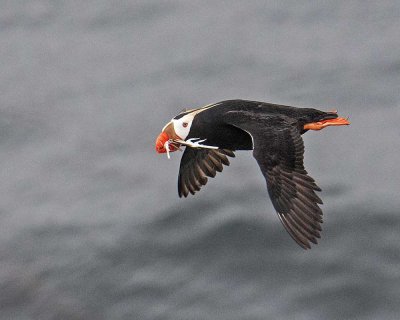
x=279, y=150
x=198, y=164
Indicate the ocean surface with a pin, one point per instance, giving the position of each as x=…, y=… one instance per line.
x=91, y=226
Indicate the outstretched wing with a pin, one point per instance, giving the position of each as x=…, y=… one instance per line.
x=279, y=150
x=198, y=164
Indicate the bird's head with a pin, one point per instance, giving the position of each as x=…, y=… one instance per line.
x=177, y=129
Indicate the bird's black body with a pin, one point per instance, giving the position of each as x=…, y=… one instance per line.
x=223, y=124
x=273, y=132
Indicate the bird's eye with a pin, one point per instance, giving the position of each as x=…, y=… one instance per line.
x=185, y=124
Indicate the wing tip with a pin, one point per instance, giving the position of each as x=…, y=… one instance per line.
x=301, y=236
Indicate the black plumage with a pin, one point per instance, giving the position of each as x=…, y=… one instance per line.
x=197, y=165
x=273, y=132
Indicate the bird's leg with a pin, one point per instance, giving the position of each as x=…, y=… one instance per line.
x=195, y=144
x=326, y=123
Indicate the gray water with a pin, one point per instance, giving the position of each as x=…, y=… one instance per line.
x=91, y=224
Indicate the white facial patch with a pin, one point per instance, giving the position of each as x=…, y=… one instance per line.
x=182, y=125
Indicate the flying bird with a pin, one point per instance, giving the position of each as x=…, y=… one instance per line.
x=214, y=132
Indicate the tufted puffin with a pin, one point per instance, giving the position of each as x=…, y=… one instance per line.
x=212, y=133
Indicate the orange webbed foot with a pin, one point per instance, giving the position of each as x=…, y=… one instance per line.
x=326, y=123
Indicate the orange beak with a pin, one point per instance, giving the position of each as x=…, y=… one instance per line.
x=165, y=138
x=160, y=142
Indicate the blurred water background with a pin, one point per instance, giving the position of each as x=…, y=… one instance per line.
x=91, y=224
